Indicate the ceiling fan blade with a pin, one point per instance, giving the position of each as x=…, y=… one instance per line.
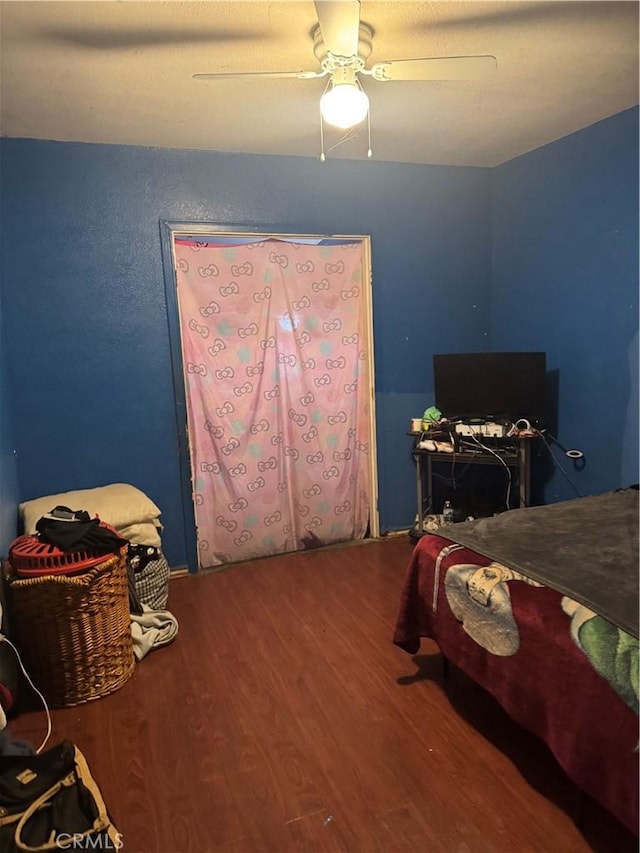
x=225, y=75
x=111, y=39
x=435, y=68
x=339, y=24
x=512, y=14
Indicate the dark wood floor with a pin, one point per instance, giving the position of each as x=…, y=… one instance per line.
x=283, y=718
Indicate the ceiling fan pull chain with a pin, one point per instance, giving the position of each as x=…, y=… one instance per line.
x=369, y=151
x=322, y=157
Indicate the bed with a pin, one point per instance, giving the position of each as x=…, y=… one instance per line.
x=539, y=606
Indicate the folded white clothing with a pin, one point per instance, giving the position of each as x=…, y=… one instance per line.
x=144, y=533
x=152, y=629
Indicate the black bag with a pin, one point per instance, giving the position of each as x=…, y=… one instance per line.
x=51, y=802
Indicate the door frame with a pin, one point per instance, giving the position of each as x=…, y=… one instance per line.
x=169, y=230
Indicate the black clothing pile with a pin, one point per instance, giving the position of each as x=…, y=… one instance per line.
x=72, y=530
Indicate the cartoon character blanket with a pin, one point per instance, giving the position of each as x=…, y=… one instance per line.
x=586, y=548
x=557, y=667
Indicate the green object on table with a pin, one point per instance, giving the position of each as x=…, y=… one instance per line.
x=431, y=415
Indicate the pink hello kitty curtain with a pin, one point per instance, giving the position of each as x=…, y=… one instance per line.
x=274, y=337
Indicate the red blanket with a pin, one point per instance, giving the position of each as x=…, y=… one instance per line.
x=558, y=669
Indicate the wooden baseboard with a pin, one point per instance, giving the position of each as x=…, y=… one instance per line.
x=180, y=572
x=394, y=534
x=183, y=571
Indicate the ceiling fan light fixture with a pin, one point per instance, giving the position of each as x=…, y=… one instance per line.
x=344, y=105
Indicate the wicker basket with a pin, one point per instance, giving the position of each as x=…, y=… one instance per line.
x=74, y=632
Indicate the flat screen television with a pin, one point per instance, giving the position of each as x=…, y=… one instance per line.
x=491, y=385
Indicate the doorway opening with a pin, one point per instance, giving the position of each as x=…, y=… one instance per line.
x=272, y=350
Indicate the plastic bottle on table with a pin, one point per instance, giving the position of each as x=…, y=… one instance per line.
x=447, y=513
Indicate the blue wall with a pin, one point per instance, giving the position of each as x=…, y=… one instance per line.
x=540, y=253
x=565, y=280
x=9, y=490
x=86, y=317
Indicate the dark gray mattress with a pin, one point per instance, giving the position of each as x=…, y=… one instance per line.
x=586, y=548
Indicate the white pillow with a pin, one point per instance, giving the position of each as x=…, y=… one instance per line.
x=119, y=504
x=145, y=533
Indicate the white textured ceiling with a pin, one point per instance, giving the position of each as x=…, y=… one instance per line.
x=121, y=72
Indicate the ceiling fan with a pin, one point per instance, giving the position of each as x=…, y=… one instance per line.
x=342, y=44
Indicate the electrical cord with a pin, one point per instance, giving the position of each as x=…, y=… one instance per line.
x=557, y=461
x=35, y=689
x=572, y=454
x=453, y=466
x=452, y=480
x=507, y=499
